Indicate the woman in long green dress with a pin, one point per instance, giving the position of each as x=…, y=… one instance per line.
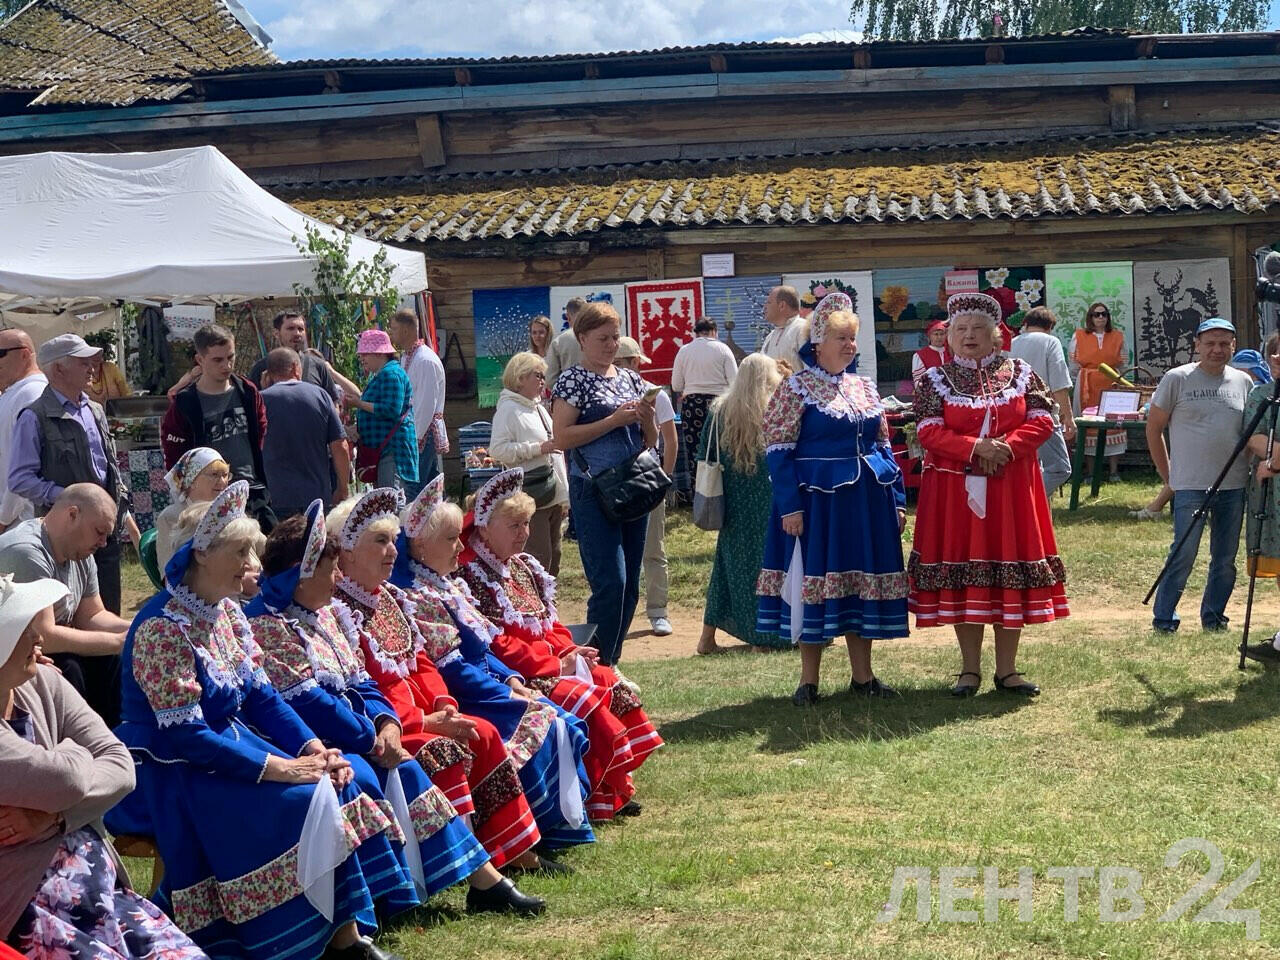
x=736, y=425
x=1264, y=463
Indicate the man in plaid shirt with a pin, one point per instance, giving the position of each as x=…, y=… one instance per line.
x=384, y=415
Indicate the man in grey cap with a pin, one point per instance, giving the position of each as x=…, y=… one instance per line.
x=62, y=439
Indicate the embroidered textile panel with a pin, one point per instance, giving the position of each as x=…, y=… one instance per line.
x=858, y=285
x=1017, y=288
x=1170, y=299
x=143, y=472
x=1071, y=287
x=737, y=305
x=661, y=314
x=906, y=300
x=501, y=320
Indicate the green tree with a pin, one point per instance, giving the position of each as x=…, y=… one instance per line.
x=9, y=7
x=949, y=19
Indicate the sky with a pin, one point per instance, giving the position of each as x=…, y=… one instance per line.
x=305, y=29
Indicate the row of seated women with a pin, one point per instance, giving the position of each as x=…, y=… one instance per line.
x=361, y=735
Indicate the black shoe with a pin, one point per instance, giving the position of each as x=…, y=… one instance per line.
x=1219, y=626
x=546, y=866
x=872, y=688
x=1024, y=688
x=806, y=695
x=1264, y=652
x=966, y=689
x=629, y=809
x=504, y=897
x=362, y=949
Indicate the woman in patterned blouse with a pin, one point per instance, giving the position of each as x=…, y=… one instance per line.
x=833, y=551
x=984, y=548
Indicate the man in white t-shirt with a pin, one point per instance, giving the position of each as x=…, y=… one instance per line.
x=1042, y=351
x=1202, y=404
x=655, y=550
x=790, y=330
x=426, y=377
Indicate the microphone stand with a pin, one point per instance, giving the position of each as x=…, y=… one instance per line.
x=1197, y=518
x=1259, y=517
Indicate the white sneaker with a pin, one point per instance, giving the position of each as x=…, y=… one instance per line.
x=661, y=627
x=629, y=684
x=1143, y=514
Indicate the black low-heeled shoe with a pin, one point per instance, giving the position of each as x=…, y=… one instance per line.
x=872, y=688
x=966, y=689
x=362, y=949
x=546, y=866
x=630, y=809
x=1025, y=688
x=504, y=897
x=806, y=695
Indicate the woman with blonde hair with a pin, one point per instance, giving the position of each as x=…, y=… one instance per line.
x=833, y=553
x=733, y=436
x=522, y=437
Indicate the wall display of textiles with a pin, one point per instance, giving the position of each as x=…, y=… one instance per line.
x=1268, y=312
x=736, y=304
x=1170, y=299
x=859, y=286
x=143, y=471
x=1018, y=289
x=905, y=301
x=1072, y=287
x=614, y=294
x=502, y=329
x=661, y=314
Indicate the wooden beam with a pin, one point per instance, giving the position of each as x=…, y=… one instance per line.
x=430, y=140
x=862, y=57
x=1244, y=272
x=591, y=71
x=655, y=266
x=462, y=76
x=994, y=54
x=1124, y=107
x=332, y=81
x=1146, y=48
x=718, y=63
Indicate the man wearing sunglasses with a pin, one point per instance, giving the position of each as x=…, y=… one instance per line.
x=22, y=383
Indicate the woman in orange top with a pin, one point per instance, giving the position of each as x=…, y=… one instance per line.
x=1096, y=343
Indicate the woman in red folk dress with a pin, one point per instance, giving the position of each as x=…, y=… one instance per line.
x=464, y=756
x=514, y=592
x=984, y=548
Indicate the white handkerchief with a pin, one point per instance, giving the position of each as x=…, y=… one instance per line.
x=975, y=484
x=793, y=591
x=321, y=848
x=400, y=807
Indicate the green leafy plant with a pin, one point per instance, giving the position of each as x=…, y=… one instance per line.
x=337, y=300
x=104, y=340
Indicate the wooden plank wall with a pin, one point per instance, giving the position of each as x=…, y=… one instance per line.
x=778, y=250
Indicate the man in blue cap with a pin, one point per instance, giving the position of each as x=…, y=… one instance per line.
x=1202, y=405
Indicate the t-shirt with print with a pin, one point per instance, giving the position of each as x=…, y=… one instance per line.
x=1206, y=416
x=596, y=397
x=226, y=429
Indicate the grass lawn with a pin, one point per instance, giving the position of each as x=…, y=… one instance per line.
x=774, y=832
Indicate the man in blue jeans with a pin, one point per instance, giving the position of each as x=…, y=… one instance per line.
x=1202, y=404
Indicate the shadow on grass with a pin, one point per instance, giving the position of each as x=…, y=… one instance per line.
x=838, y=716
x=1218, y=707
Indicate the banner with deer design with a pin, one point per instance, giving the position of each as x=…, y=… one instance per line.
x=1170, y=299
x=661, y=314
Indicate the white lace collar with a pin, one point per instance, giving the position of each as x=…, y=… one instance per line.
x=199, y=610
x=972, y=364
x=358, y=593
x=483, y=552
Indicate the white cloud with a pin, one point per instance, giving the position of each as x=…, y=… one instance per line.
x=494, y=28
x=823, y=36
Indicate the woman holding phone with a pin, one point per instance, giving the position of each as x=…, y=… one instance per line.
x=602, y=416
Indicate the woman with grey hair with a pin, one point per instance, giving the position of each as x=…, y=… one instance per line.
x=984, y=550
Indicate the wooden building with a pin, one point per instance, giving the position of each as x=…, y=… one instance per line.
x=1092, y=146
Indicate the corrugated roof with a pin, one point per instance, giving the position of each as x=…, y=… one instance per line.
x=1235, y=169
x=120, y=51
x=1082, y=33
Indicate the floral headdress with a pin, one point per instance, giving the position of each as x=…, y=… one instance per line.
x=424, y=504
x=831, y=303
x=494, y=492
x=383, y=502
x=275, y=592
x=227, y=506
x=960, y=304
x=189, y=466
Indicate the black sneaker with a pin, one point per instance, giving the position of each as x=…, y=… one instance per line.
x=1264, y=652
x=504, y=897
x=629, y=809
x=806, y=695
x=872, y=688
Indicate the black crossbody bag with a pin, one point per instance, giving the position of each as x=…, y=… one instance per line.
x=631, y=489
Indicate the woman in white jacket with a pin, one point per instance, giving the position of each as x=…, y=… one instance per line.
x=521, y=437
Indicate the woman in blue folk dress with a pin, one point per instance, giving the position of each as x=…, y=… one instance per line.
x=308, y=659
x=273, y=845
x=833, y=552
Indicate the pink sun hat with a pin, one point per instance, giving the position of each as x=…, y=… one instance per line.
x=374, y=341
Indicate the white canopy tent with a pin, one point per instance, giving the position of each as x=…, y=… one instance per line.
x=83, y=230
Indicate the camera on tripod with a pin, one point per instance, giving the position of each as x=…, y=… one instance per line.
x=1268, y=287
